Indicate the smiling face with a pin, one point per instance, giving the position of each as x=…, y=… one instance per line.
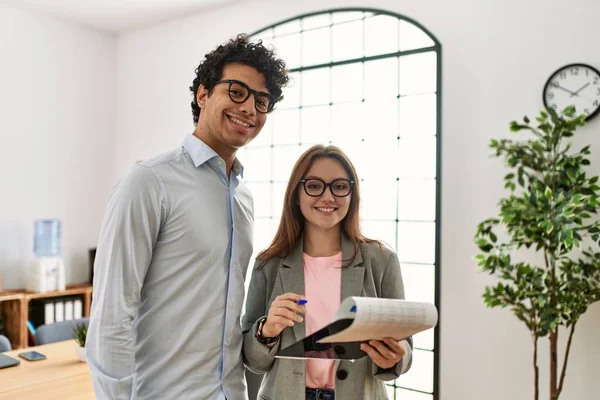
x=326, y=211
x=225, y=125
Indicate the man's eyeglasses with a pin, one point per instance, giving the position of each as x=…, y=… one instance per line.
x=239, y=93
x=315, y=187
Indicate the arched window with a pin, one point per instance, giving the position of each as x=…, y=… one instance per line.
x=369, y=82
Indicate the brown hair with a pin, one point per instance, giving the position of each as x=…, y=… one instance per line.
x=291, y=225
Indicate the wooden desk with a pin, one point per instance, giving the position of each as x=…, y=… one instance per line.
x=60, y=376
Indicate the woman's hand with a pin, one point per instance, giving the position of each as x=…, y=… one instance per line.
x=282, y=314
x=385, y=353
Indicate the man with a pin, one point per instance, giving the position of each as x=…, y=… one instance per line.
x=176, y=242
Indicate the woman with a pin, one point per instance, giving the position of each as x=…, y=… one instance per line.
x=320, y=256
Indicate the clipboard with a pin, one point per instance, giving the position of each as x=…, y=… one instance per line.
x=310, y=346
x=358, y=320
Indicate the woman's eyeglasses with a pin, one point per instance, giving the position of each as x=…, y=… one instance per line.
x=315, y=187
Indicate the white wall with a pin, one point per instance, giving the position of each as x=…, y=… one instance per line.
x=496, y=59
x=57, y=136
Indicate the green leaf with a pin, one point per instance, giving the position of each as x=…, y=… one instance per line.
x=514, y=127
x=585, y=150
x=569, y=111
x=484, y=245
x=545, y=127
x=493, y=237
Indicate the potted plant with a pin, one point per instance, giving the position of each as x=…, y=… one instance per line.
x=80, y=333
x=550, y=212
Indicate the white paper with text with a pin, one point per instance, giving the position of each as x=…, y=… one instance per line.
x=375, y=319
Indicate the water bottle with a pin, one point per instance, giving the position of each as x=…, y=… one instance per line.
x=46, y=238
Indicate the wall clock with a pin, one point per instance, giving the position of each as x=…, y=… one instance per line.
x=577, y=85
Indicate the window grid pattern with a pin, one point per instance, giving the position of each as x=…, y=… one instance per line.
x=378, y=99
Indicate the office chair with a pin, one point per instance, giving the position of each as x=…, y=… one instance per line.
x=4, y=344
x=58, y=331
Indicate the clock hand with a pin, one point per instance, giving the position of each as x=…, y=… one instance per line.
x=575, y=93
x=566, y=90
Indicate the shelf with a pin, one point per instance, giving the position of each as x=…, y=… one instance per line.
x=69, y=291
x=6, y=295
x=15, y=306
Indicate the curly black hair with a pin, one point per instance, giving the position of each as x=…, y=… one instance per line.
x=240, y=50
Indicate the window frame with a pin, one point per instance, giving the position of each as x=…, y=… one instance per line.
x=437, y=48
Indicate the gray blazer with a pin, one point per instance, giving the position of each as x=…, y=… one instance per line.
x=373, y=273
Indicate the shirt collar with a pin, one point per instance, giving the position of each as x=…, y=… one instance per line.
x=238, y=168
x=201, y=153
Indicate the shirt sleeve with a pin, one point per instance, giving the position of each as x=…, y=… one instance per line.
x=258, y=357
x=129, y=231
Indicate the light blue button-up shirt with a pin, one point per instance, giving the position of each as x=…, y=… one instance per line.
x=169, y=280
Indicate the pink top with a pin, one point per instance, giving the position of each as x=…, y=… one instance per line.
x=323, y=285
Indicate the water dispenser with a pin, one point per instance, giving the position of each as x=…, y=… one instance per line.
x=46, y=269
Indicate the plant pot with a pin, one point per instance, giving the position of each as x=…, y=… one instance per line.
x=80, y=353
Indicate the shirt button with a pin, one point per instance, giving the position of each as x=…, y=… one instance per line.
x=221, y=162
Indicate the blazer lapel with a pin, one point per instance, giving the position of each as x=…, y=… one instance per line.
x=353, y=275
x=292, y=279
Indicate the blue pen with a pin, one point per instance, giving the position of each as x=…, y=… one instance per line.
x=302, y=302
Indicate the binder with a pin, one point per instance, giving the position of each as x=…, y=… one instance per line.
x=48, y=312
x=77, y=309
x=59, y=311
x=68, y=309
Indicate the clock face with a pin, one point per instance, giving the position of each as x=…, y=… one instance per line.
x=577, y=85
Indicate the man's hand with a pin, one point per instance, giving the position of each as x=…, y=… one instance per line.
x=386, y=353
